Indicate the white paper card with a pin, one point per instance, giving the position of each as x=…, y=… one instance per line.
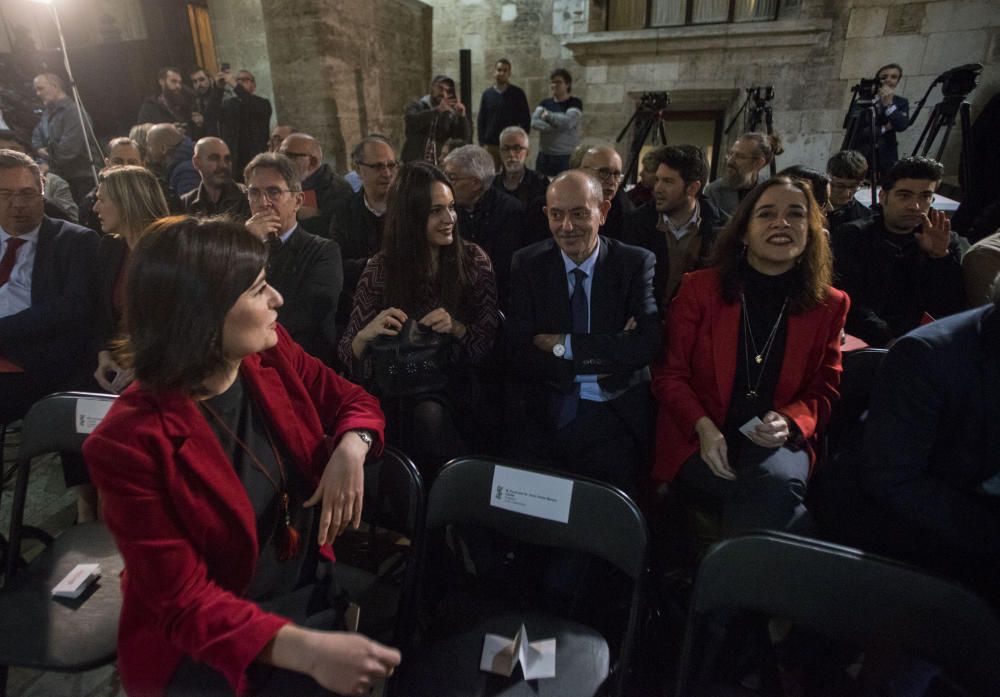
x=77, y=581
x=530, y=493
x=501, y=655
x=750, y=426
x=89, y=413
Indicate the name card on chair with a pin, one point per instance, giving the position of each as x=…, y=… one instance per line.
x=501, y=655
x=531, y=493
x=89, y=413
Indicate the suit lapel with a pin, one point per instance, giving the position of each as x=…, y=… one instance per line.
x=44, y=261
x=603, y=298
x=803, y=330
x=556, y=272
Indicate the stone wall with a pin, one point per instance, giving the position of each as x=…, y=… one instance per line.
x=339, y=69
x=812, y=54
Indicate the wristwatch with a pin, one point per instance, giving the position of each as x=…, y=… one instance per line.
x=365, y=436
x=559, y=349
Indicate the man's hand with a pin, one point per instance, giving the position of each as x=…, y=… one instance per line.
x=265, y=224
x=459, y=108
x=341, y=488
x=885, y=94
x=935, y=234
x=545, y=342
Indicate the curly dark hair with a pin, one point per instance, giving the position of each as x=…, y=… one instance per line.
x=814, y=271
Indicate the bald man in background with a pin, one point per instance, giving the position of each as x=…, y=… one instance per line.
x=321, y=186
x=217, y=193
x=168, y=156
x=604, y=163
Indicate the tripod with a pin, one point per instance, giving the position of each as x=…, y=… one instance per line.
x=944, y=114
x=753, y=113
x=649, y=118
x=861, y=116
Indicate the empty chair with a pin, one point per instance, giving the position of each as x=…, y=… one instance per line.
x=849, y=596
x=586, y=517
x=36, y=630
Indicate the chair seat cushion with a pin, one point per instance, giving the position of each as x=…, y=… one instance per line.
x=449, y=666
x=42, y=632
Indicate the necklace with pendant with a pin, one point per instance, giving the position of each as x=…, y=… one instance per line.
x=760, y=355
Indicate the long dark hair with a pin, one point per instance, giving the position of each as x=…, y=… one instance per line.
x=814, y=270
x=185, y=275
x=409, y=275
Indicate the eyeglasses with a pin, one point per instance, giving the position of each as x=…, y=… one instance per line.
x=389, y=166
x=733, y=155
x=25, y=196
x=606, y=175
x=845, y=186
x=457, y=178
x=516, y=149
x=271, y=193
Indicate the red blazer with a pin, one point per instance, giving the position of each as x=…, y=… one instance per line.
x=695, y=376
x=183, y=521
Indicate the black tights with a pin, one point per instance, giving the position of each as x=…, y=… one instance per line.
x=427, y=432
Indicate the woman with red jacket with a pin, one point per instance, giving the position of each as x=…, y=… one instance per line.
x=211, y=466
x=752, y=362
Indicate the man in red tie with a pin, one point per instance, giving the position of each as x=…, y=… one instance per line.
x=46, y=339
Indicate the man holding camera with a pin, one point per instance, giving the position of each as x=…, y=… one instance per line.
x=432, y=120
x=892, y=116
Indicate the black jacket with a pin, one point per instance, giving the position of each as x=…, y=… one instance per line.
x=497, y=110
x=533, y=185
x=328, y=187
x=891, y=281
x=307, y=271
x=496, y=224
x=245, y=126
x=358, y=231
x=848, y=213
x=615, y=226
x=52, y=339
x=233, y=201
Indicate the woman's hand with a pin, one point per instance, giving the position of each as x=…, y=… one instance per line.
x=347, y=663
x=772, y=431
x=713, y=448
x=341, y=488
x=120, y=378
x=441, y=321
x=388, y=322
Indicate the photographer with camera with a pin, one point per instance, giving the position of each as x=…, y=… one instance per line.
x=891, y=116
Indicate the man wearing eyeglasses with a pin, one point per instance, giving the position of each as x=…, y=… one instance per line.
x=304, y=268
x=486, y=216
x=321, y=186
x=358, y=221
x=847, y=170
x=902, y=266
x=604, y=163
x=751, y=153
x=515, y=177
x=46, y=340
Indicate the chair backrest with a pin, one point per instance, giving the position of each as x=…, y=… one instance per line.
x=57, y=423
x=394, y=494
x=602, y=522
x=861, y=370
x=851, y=596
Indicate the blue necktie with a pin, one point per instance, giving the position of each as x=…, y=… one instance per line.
x=581, y=325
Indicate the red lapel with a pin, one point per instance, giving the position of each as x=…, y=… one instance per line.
x=273, y=398
x=802, y=334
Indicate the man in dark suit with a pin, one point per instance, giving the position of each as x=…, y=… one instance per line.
x=605, y=163
x=582, y=330
x=45, y=313
x=246, y=118
x=304, y=268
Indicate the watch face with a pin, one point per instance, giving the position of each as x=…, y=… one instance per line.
x=558, y=350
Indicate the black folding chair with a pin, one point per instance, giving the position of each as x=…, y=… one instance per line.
x=37, y=630
x=379, y=570
x=602, y=523
x=861, y=369
x=846, y=595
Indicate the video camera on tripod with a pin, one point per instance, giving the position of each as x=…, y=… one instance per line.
x=866, y=90
x=648, y=118
x=756, y=108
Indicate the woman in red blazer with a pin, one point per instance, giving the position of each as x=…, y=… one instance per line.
x=752, y=362
x=209, y=466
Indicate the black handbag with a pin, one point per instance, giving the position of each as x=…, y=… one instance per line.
x=413, y=362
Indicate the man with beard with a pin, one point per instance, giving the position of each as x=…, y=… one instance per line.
x=432, y=120
x=59, y=138
x=751, y=153
x=321, y=186
x=170, y=105
x=207, y=107
x=605, y=163
x=218, y=193
x=902, y=265
x=680, y=225
x=246, y=118
x=515, y=178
